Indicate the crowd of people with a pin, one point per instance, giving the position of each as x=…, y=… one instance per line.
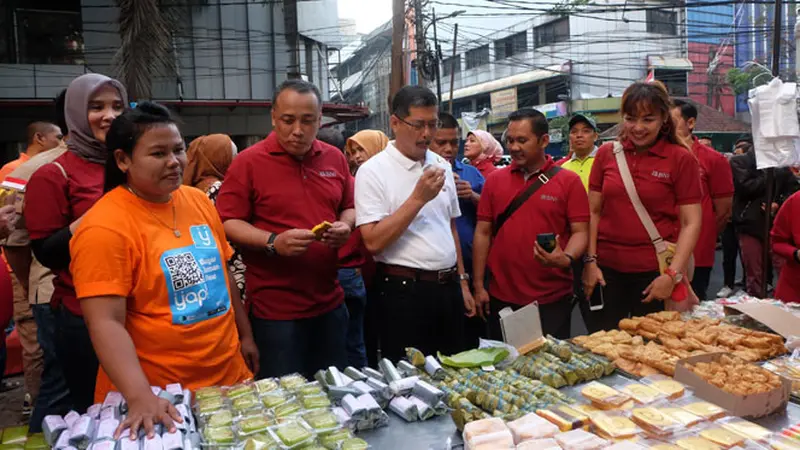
x=138, y=260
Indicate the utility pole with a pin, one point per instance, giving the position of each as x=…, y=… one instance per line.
x=292, y=38
x=777, y=34
x=438, y=59
x=453, y=69
x=398, y=30
x=420, y=42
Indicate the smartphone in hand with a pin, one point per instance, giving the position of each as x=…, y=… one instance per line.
x=547, y=241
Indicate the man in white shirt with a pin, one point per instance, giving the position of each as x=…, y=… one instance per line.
x=406, y=206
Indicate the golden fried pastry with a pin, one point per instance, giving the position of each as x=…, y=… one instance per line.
x=756, y=342
x=665, y=316
x=637, y=341
x=648, y=335
x=707, y=336
x=649, y=325
x=625, y=365
x=679, y=353
x=729, y=339
x=675, y=328
x=622, y=338
x=672, y=342
x=629, y=325
x=643, y=370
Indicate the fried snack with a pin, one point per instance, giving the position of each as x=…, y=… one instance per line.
x=736, y=376
x=756, y=342
x=650, y=326
x=672, y=342
x=320, y=229
x=707, y=336
x=637, y=340
x=622, y=337
x=648, y=335
x=629, y=324
x=675, y=328
x=643, y=370
x=625, y=365
x=665, y=316
x=729, y=339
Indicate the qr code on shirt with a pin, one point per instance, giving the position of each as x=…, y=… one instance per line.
x=184, y=271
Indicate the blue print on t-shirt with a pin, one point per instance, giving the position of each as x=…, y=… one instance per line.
x=195, y=279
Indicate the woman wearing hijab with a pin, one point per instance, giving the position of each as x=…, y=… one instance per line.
x=356, y=265
x=364, y=145
x=208, y=159
x=56, y=198
x=483, y=151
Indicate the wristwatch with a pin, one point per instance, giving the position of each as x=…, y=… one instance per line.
x=463, y=277
x=676, y=276
x=270, y=248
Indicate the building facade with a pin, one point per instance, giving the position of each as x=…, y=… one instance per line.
x=228, y=57
x=710, y=31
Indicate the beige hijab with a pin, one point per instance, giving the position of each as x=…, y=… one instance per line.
x=372, y=141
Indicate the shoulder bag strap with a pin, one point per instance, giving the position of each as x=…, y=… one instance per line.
x=520, y=199
x=641, y=211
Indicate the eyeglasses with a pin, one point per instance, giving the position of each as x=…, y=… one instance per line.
x=419, y=126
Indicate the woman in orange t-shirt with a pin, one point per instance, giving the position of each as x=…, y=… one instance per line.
x=149, y=264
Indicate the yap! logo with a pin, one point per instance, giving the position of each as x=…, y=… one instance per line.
x=327, y=174
x=661, y=175
x=190, y=297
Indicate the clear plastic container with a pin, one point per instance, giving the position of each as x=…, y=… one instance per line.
x=292, y=434
x=604, y=396
x=722, y=437
x=702, y=408
x=210, y=405
x=245, y=403
x=746, y=429
x=292, y=381
x=208, y=392
x=564, y=417
x=275, y=398
x=266, y=385
x=655, y=421
x=531, y=427
x=321, y=420
x=666, y=385
x=682, y=416
x=642, y=394
x=248, y=426
x=580, y=440
x=219, y=437
x=696, y=443
x=614, y=426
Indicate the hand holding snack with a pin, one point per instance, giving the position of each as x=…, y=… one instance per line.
x=337, y=234
x=293, y=242
x=430, y=184
x=147, y=411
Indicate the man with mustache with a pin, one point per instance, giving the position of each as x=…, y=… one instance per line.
x=406, y=206
x=273, y=195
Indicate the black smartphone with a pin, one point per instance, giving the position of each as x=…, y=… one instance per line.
x=547, y=241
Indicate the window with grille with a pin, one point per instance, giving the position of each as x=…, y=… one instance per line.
x=552, y=32
x=662, y=22
x=447, y=65
x=478, y=57
x=510, y=46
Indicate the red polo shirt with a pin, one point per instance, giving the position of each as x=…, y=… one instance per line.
x=275, y=192
x=53, y=202
x=785, y=241
x=716, y=181
x=486, y=168
x=516, y=275
x=666, y=176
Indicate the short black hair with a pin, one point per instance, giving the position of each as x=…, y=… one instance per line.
x=448, y=121
x=745, y=138
x=538, y=121
x=125, y=132
x=412, y=97
x=38, y=127
x=299, y=86
x=331, y=136
x=688, y=110
x=59, y=114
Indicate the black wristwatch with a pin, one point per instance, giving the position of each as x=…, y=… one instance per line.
x=270, y=248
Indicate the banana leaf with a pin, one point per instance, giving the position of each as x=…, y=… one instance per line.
x=475, y=358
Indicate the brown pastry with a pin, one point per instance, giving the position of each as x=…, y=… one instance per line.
x=629, y=325
x=675, y=328
x=645, y=371
x=665, y=316
x=707, y=336
x=625, y=364
x=672, y=342
x=650, y=326
x=756, y=342
x=648, y=335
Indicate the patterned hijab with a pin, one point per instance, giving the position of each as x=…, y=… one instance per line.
x=492, y=150
x=208, y=159
x=76, y=105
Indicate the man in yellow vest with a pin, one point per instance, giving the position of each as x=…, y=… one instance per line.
x=582, y=136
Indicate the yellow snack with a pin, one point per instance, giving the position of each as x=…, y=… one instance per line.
x=586, y=408
x=664, y=447
x=613, y=426
x=705, y=410
x=722, y=437
x=604, y=395
x=682, y=416
x=696, y=443
x=642, y=394
x=670, y=388
x=654, y=420
x=320, y=229
x=564, y=417
x=747, y=430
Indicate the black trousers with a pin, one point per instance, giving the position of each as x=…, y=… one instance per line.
x=555, y=317
x=730, y=251
x=77, y=357
x=700, y=281
x=423, y=314
x=622, y=296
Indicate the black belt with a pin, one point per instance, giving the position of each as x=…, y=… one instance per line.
x=437, y=276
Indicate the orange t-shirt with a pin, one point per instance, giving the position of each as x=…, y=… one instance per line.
x=12, y=166
x=179, y=312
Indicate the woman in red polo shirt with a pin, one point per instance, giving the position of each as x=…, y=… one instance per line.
x=483, y=151
x=621, y=258
x=57, y=196
x=786, y=245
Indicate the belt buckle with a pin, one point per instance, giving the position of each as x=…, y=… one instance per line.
x=445, y=276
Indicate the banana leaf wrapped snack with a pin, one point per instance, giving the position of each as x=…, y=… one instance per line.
x=415, y=357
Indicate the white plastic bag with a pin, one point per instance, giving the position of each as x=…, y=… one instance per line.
x=513, y=354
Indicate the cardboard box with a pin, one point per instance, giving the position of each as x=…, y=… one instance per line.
x=775, y=317
x=522, y=328
x=748, y=406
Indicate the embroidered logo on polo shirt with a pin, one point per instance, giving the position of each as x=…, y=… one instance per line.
x=327, y=173
x=549, y=198
x=661, y=175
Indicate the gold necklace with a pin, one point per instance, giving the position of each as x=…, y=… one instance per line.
x=174, y=227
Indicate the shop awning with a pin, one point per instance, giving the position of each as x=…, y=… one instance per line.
x=669, y=63
x=507, y=82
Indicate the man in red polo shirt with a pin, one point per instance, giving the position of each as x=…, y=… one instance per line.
x=716, y=182
x=273, y=195
x=521, y=270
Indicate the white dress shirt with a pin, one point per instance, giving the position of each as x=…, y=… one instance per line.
x=383, y=184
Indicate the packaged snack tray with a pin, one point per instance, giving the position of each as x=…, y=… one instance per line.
x=614, y=426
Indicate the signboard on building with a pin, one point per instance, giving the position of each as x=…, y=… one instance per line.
x=552, y=110
x=504, y=102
